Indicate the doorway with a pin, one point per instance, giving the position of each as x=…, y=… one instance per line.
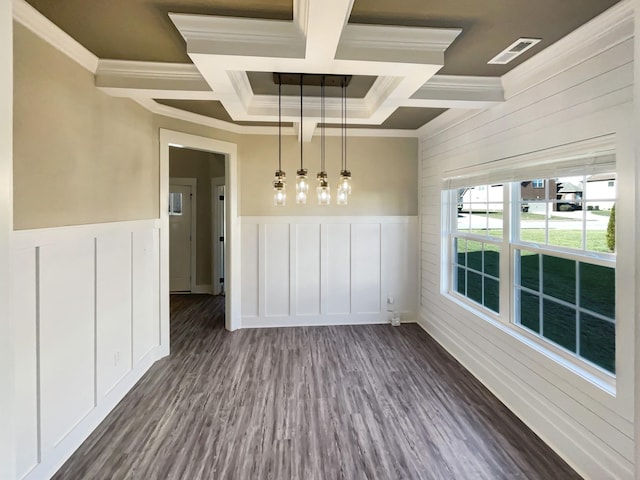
x=232, y=280
x=182, y=236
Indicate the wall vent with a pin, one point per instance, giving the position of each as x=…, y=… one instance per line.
x=514, y=50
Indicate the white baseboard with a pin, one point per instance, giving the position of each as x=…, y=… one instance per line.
x=322, y=320
x=550, y=424
x=53, y=461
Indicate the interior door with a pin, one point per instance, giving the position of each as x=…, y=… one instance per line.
x=180, y=243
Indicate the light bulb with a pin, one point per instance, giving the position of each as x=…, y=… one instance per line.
x=302, y=187
x=342, y=196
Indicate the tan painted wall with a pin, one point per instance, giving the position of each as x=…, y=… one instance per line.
x=80, y=156
x=203, y=166
x=84, y=157
x=384, y=174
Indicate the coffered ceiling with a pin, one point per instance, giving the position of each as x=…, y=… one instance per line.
x=411, y=60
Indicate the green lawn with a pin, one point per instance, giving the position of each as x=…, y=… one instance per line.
x=602, y=213
x=596, y=239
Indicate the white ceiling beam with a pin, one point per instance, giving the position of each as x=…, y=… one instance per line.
x=152, y=79
x=211, y=35
x=325, y=23
x=457, y=91
x=394, y=44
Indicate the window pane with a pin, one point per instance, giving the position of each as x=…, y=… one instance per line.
x=598, y=341
x=474, y=255
x=568, y=234
x=598, y=289
x=492, y=260
x=529, y=269
x=474, y=287
x=491, y=294
x=601, y=187
x=559, y=278
x=530, y=311
x=598, y=218
x=494, y=222
x=559, y=324
x=460, y=247
x=460, y=283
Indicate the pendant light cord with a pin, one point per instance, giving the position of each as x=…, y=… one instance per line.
x=342, y=127
x=280, y=125
x=301, y=123
x=344, y=93
x=322, y=114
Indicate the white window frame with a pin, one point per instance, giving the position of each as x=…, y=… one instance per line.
x=508, y=245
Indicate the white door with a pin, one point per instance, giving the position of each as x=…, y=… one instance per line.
x=218, y=240
x=180, y=243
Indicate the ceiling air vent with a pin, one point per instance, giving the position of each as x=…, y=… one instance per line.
x=514, y=50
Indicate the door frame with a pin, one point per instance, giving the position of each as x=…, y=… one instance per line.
x=193, y=245
x=215, y=234
x=232, y=252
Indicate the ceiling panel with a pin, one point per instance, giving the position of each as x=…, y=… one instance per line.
x=487, y=26
x=141, y=29
x=212, y=109
x=404, y=118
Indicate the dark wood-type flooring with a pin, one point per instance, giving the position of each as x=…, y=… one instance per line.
x=348, y=402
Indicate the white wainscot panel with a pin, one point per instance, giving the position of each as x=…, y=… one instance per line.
x=306, y=254
x=276, y=269
x=146, y=325
x=399, y=263
x=23, y=312
x=113, y=309
x=337, y=268
x=67, y=337
x=249, y=265
x=365, y=261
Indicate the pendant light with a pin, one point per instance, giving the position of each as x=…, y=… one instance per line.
x=344, y=184
x=302, y=183
x=324, y=193
x=279, y=184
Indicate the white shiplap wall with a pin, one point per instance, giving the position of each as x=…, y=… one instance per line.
x=328, y=270
x=85, y=305
x=579, y=89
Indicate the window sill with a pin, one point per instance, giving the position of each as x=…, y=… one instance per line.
x=598, y=379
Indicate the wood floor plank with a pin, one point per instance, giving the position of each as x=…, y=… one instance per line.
x=325, y=403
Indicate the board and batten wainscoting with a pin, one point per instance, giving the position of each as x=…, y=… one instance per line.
x=328, y=270
x=85, y=303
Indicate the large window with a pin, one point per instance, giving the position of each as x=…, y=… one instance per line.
x=559, y=246
x=476, y=261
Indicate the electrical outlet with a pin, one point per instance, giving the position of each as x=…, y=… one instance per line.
x=390, y=299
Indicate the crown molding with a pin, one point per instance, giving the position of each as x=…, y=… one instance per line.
x=301, y=15
x=123, y=74
x=178, y=114
x=30, y=18
x=608, y=29
x=411, y=45
x=458, y=91
x=206, y=34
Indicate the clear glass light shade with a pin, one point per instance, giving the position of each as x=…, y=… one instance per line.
x=279, y=189
x=344, y=183
x=324, y=193
x=342, y=196
x=302, y=187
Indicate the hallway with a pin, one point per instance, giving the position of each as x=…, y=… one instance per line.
x=348, y=402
